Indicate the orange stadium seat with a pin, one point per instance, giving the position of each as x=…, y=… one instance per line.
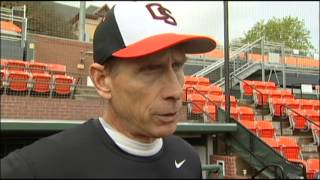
x=250, y=125
x=233, y=101
x=234, y=113
x=17, y=65
x=187, y=91
x=270, y=85
x=198, y=102
x=202, y=89
x=272, y=143
x=3, y=79
x=203, y=81
x=305, y=104
x=287, y=94
x=316, y=104
x=312, y=168
x=211, y=110
x=289, y=147
x=18, y=80
x=265, y=129
x=190, y=80
x=277, y=93
x=37, y=67
x=297, y=121
x=41, y=82
x=57, y=69
x=62, y=84
x=275, y=104
x=292, y=103
x=215, y=90
x=262, y=97
x=9, y=26
x=214, y=99
x=246, y=113
x=245, y=88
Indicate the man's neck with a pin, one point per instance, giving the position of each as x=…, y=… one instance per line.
x=124, y=128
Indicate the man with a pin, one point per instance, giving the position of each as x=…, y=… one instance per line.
x=138, y=69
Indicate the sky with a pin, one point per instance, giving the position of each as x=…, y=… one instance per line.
x=206, y=17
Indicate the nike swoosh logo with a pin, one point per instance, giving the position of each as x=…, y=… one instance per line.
x=178, y=165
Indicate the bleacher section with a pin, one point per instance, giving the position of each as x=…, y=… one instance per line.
x=18, y=77
x=302, y=114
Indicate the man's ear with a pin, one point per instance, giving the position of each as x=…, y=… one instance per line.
x=101, y=80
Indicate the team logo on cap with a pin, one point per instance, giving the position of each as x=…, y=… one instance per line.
x=159, y=12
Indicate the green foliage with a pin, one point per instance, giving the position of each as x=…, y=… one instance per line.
x=43, y=19
x=289, y=30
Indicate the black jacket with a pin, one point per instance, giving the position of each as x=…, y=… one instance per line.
x=86, y=151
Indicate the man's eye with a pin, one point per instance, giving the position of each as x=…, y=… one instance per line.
x=177, y=65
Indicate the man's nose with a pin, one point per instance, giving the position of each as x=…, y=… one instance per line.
x=172, y=89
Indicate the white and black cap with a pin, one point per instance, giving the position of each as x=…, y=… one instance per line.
x=136, y=29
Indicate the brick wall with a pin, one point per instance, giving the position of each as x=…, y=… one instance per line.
x=229, y=163
x=54, y=50
x=49, y=108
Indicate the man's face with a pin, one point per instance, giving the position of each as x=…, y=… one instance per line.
x=145, y=94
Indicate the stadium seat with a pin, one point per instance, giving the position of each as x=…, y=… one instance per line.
x=37, y=67
x=18, y=80
x=198, y=102
x=272, y=143
x=275, y=104
x=234, y=113
x=214, y=99
x=211, y=110
x=250, y=125
x=292, y=103
x=270, y=85
x=265, y=129
x=246, y=113
x=276, y=93
x=233, y=101
x=215, y=90
x=63, y=84
x=17, y=65
x=287, y=94
x=190, y=80
x=306, y=104
x=289, y=147
x=57, y=69
x=298, y=121
x=245, y=87
x=203, y=81
x=316, y=104
x=9, y=26
x=187, y=91
x=312, y=168
x=262, y=97
x=41, y=82
x=202, y=89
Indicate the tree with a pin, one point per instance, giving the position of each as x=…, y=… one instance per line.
x=43, y=19
x=289, y=30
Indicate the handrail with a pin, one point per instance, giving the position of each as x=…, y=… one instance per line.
x=275, y=172
x=208, y=99
x=233, y=54
x=282, y=106
x=212, y=168
x=252, y=88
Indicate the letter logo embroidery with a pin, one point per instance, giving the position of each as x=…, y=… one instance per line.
x=159, y=12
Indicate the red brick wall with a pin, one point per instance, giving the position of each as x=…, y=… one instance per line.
x=49, y=108
x=54, y=50
x=229, y=163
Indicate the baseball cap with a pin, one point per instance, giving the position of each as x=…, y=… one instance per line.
x=136, y=29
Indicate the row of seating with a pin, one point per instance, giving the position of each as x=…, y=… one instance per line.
x=205, y=100
x=10, y=26
x=32, y=66
x=19, y=81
